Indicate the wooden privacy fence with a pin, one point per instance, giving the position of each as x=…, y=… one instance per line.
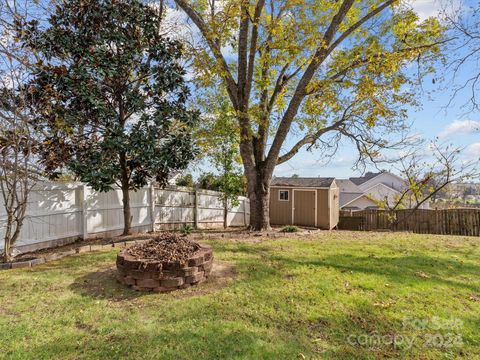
x=423, y=221
x=58, y=213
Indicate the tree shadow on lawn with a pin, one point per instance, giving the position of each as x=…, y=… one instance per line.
x=103, y=284
x=208, y=340
x=413, y=269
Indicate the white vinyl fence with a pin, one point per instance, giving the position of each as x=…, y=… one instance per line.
x=59, y=213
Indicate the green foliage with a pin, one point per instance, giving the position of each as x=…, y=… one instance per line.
x=209, y=181
x=289, y=229
x=185, y=180
x=311, y=74
x=110, y=94
x=218, y=137
x=186, y=229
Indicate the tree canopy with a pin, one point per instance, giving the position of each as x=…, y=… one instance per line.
x=320, y=71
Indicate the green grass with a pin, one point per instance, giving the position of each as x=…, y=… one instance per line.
x=311, y=298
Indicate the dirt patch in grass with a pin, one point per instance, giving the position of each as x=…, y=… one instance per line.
x=103, y=284
x=233, y=234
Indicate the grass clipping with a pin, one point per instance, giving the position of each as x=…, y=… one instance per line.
x=166, y=247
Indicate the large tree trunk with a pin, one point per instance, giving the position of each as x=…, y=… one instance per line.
x=259, y=195
x=259, y=210
x=127, y=216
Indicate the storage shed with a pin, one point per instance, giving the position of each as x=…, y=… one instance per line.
x=304, y=201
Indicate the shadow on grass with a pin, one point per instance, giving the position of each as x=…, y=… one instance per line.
x=103, y=284
x=413, y=269
x=213, y=340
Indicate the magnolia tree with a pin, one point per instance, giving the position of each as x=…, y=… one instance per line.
x=317, y=72
x=110, y=95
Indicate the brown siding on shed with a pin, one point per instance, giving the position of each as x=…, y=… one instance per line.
x=280, y=211
x=327, y=206
x=334, y=206
x=304, y=207
x=323, y=213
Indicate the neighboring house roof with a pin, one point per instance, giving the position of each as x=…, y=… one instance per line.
x=346, y=198
x=360, y=180
x=350, y=198
x=345, y=185
x=348, y=191
x=383, y=186
x=317, y=182
x=387, y=178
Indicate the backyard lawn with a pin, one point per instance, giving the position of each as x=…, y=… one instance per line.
x=339, y=295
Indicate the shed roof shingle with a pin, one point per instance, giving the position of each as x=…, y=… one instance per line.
x=318, y=182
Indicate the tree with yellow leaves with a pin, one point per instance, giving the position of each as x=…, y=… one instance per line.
x=321, y=69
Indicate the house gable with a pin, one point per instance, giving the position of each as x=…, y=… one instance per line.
x=388, y=179
x=360, y=202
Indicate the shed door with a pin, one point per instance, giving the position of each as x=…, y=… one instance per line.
x=304, y=207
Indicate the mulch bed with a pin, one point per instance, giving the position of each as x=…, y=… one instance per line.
x=94, y=244
x=169, y=247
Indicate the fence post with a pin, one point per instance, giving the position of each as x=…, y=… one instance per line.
x=152, y=206
x=195, y=209
x=84, y=204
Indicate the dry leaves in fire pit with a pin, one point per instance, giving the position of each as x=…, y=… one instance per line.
x=166, y=247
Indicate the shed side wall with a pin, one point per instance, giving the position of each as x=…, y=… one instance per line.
x=323, y=213
x=280, y=211
x=334, y=207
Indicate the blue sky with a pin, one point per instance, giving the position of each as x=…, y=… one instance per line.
x=452, y=125
x=450, y=122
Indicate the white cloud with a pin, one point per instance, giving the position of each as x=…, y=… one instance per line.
x=429, y=8
x=473, y=150
x=460, y=127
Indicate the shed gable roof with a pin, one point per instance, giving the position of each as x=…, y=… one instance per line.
x=318, y=182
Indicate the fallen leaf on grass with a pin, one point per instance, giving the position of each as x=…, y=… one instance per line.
x=385, y=304
x=474, y=297
x=421, y=274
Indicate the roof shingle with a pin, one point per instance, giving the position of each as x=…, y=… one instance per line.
x=318, y=182
x=366, y=177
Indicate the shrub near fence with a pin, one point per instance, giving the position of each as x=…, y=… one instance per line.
x=60, y=213
x=423, y=221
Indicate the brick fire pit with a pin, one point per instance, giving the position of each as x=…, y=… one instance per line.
x=157, y=276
